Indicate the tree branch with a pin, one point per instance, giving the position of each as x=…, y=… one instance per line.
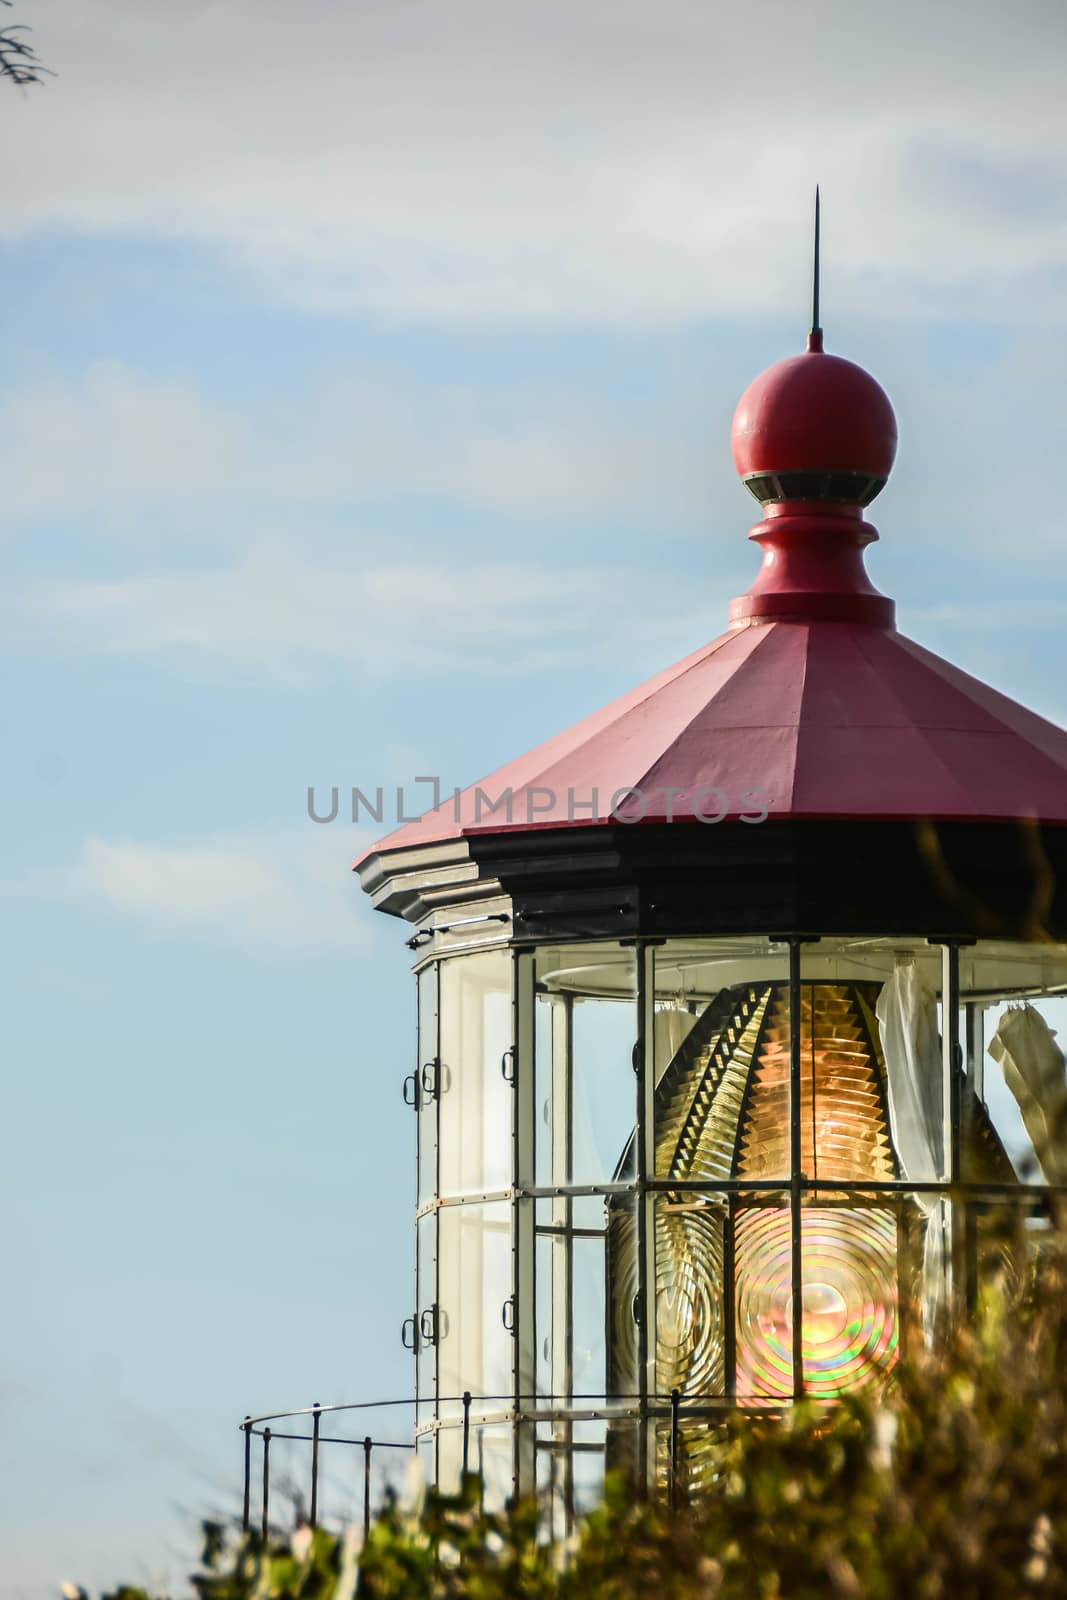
x=19, y=62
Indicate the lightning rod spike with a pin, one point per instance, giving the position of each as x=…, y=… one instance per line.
x=815, y=336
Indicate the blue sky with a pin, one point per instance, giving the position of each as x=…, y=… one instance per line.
x=366, y=387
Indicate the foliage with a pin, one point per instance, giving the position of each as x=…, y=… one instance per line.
x=18, y=59
x=952, y=1482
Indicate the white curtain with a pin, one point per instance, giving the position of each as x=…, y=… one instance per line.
x=1034, y=1070
x=907, y=1016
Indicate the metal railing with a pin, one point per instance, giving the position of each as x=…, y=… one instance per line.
x=259, y=1428
x=642, y=1407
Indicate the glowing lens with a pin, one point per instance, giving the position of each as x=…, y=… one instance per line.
x=849, y=1328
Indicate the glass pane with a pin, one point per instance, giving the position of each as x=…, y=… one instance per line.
x=572, y=1458
x=605, y=1098
x=476, y=1102
x=847, y=1083
x=490, y=1454
x=850, y=1331
x=1003, y=1240
x=424, y=1463
x=493, y=1458
x=426, y=1299
x=1010, y=992
x=585, y=1034
x=551, y=1018
x=449, y=1458
x=555, y=1492
x=1013, y=1028
x=590, y=1336
x=850, y=1327
x=424, y=1456
x=554, y=1280
x=475, y=1348
x=699, y=1456
x=693, y=1254
x=763, y=1303
x=873, y=1270
x=614, y=1305
x=586, y=1265
x=722, y=1059
x=424, y=1068
x=871, y=1061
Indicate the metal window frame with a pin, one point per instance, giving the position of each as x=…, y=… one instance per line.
x=958, y=1289
x=645, y=1201
x=524, y=1410
x=432, y=967
x=796, y=1175
x=523, y=1114
x=562, y=1213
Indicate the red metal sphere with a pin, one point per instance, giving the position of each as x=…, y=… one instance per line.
x=814, y=413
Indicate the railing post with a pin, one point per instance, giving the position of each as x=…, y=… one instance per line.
x=315, y=1466
x=368, y=1445
x=466, y=1431
x=247, y=1430
x=266, y=1484
x=673, y=1477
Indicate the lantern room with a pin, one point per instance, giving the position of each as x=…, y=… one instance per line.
x=738, y=1006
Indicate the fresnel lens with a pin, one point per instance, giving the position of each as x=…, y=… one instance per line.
x=725, y=1112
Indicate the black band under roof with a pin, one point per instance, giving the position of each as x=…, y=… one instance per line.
x=841, y=488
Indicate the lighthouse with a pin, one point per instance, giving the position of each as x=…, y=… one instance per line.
x=736, y=1010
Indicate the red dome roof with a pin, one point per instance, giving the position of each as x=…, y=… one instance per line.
x=809, y=720
x=814, y=413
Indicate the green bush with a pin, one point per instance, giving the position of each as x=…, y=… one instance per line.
x=950, y=1482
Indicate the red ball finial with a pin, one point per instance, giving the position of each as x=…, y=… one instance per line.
x=813, y=438
x=814, y=427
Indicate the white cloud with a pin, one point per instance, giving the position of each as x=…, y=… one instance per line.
x=279, y=613
x=574, y=159
x=270, y=890
x=156, y=461
x=114, y=437
x=124, y=441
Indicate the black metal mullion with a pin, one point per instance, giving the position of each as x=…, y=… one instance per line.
x=567, y=1460
x=646, y=1286
x=729, y=1269
x=523, y=1219
x=795, y=1173
x=436, y=1269
x=964, y=1291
